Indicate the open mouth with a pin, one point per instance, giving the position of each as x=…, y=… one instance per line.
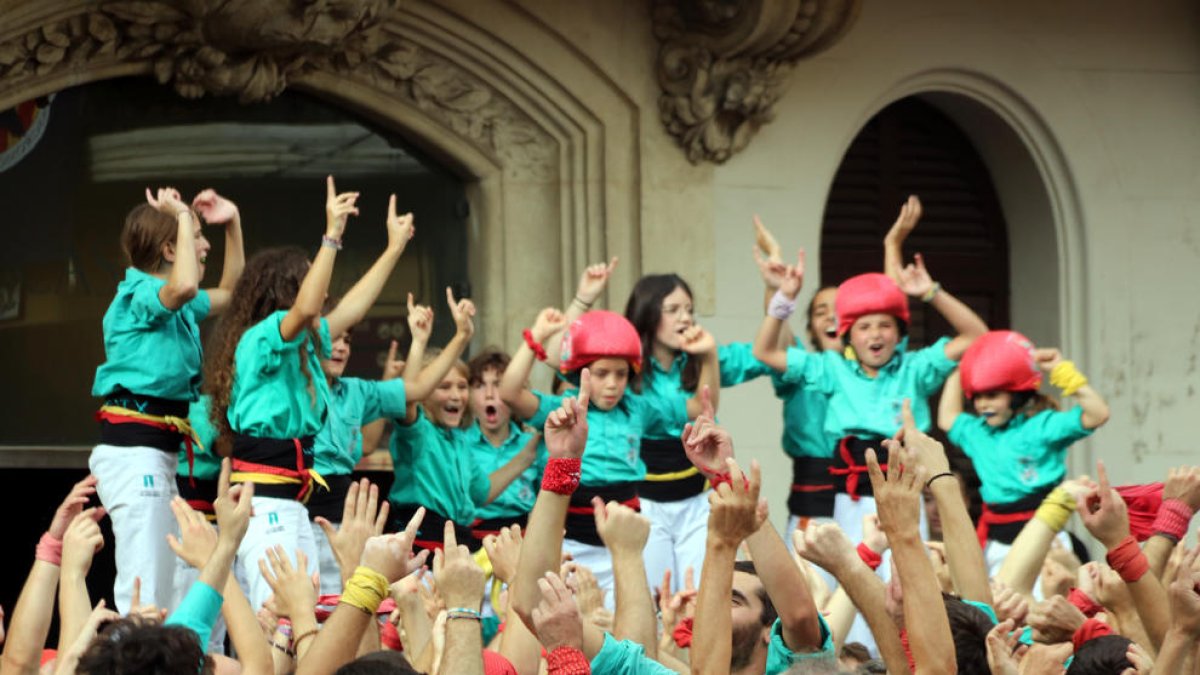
x=491, y=414
x=875, y=349
x=987, y=413
x=831, y=332
x=451, y=409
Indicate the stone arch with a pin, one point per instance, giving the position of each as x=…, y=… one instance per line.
x=548, y=147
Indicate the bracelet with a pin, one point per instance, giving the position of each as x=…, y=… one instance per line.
x=1066, y=377
x=1056, y=509
x=49, y=550
x=538, y=350
x=329, y=242
x=561, y=475
x=365, y=590
x=1172, y=520
x=931, y=293
x=1128, y=560
x=726, y=478
x=781, y=306
x=937, y=476
x=282, y=648
x=302, y=637
x=567, y=661
x=869, y=556
x=585, y=305
x=464, y=613
x=284, y=628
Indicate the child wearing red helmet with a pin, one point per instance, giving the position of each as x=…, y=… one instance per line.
x=1018, y=439
x=612, y=467
x=866, y=386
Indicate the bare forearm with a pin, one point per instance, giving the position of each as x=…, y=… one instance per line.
x=961, y=318
x=253, y=652
x=710, y=376
x=968, y=568
x=867, y=592
x=216, y=571
x=1158, y=551
x=500, y=479
x=840, y=613
x=1176, y=654
x=950, y=406
x=335, y=645
x=785, y=585
x=766, y=344
x=924, y=612
x=311, y=296
x=74, y=607
x=1153, y=606
x=636, y=618
x=1095, y=408
x=362, y=295
x=419, y=387
x=372, y=435
x=29, y=624
x=519, y=645
x=1024, y=560
x=184, y=278
x=540, y=553
x=712, y=646
x=235, y=254
x=464, y=648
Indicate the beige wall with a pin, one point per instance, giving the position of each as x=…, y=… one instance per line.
x=1088, y=115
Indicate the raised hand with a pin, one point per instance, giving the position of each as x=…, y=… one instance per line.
x=737, y=511
x=826, y=546
x=548, y=322
x=556, y=619
x=593, y=280
x=707, y=444
x=459, y=579
x=767, y=255
x=695, y=340
x=620, y=527
x=213, y=208
x=1110, y=589
x=765, y=242
x=462, y=311
x=167, y=200
x=567, y=428
x=197, y=537
x=82, y=540
x=898, y=495
x=1185, y=596
x=72, y=505
x=362, y=518
x=1104, y=513
x=793, y=277
x=338, y=207
x=392, y=366
x=1055, y=620
x=1009, y=604
x=148, y=612
x=1047, y=357
x=906, y=221
x=873, y=535
x=504, y=550
x=293, y=588
x=1183, y=483
x=420, y=321
x=233, y=506
x=681, y=604
x=1000, y=646
x=400, y=227
x=914, y=278
x=388, y=554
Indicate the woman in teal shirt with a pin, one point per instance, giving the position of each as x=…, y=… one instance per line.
x=269, y=399
x=150, y=375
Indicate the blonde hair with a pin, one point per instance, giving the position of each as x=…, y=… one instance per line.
x=458, y=366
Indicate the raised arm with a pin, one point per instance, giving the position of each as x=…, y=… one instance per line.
x=501, y=478
x=183, y=281
x=916, y=282
x=311, y=297
x=81, y=541
x=513, y=389
x=592, y=283
x=418, y=388
x=767, y=347
x=217, y=210
x=1023, y=564
x=1064, y=376
x=420, y=327
x=460, y=584
x=1177, y=654
x=624, y=532
x=893, y=241
x=1181, y=498
x=785, y=585
x=768, y=257
x=362, y=295
x=950, y=406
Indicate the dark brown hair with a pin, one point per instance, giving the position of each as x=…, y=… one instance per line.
x=146, y=230
x=491, y=358
x=131, y=645
x=644, y=311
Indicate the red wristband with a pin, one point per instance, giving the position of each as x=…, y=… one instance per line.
x=726, y=478
x=562, y=475
x=49, y=550
x=1084, y=603
x=567, y=661
x=1128, y=560
x=683, y=633
x=1090, y=630
x=1173, y=518
x=869, y=556
x=538, y=350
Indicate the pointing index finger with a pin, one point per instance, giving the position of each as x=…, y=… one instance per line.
x=585, y=389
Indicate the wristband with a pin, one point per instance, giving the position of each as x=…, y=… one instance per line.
x=538, y=350
x=727, y=479
x=567, y=661
x=1172, y=520
x=329, y=242
x=1084, y=603
x=562, y=475
x=1090, y=630
x=943, y=474
x=49, y=550
x=932, y=292
x=682, y=635
x=869, y=556
x=585, y=305
x=781, y=307
x=284, y=628
x=365, y=590
x=1066, y=377
x=464, y=613
x=1128, y=560
x=1056, y=509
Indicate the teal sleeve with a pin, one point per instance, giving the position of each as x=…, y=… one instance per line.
x=622, y=657
x=780, y=658
x=806, y=368
x=200, y=306
x=932, y=367
x=738, y=364
x=146, y=306
x=987, y=610
x=547, y=403
x=267, y=345
x=382, y=398
x=1061, y=429
x=325, y=349
x=198, y=612
x=481, y=483
x=960, y=432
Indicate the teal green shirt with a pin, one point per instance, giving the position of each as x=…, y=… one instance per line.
x=1025, y=456
x=664, y=388
x=803, y=418
x=353, y=403
x=198, y=612
x=149, y=349
x=625, y=657
x=207, y=465
x=517, y=499
x=614, y=446
x=272, y=397
x=434, y=469
x=871, y=407
x=780, y=658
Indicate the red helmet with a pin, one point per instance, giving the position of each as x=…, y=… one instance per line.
x=1000, y=360
x=871, y=293
x=600, y=334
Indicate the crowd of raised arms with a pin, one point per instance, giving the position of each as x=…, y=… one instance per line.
x=607, y=526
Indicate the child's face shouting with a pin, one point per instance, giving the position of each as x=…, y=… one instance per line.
x=448, y=403
x=874, y=338
x=486, y=405
x=995, y=407
x=335, y=365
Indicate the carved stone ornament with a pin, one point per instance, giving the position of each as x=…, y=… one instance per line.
x=723, y=64
x=254, y=49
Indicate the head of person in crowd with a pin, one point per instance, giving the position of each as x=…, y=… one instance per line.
x=1000, y=377
x=753, y=616
x=483, y=376
x=1105, y=655
x=872, y=318
x=969, y=627
x=608, y=345
x=447, y=405
x=335, y=366
x=384, y=662
x=822, y=320
x=661, y=310
x=133, y=645
x=148, y=240
x=270, y=283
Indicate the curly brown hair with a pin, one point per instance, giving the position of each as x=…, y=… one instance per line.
x=131, y=645
x=270, y=283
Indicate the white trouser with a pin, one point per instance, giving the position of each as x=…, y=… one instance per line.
x=185, y=576
x=678, y=535
x=276, y=522
x=135, y=485
x=331, y=572
x=598, y=560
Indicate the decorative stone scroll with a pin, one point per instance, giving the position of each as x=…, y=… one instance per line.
x=723, y=64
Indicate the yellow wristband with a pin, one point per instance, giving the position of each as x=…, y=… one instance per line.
x=365, y=590
x=1056, y=509
x=1066, y=377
